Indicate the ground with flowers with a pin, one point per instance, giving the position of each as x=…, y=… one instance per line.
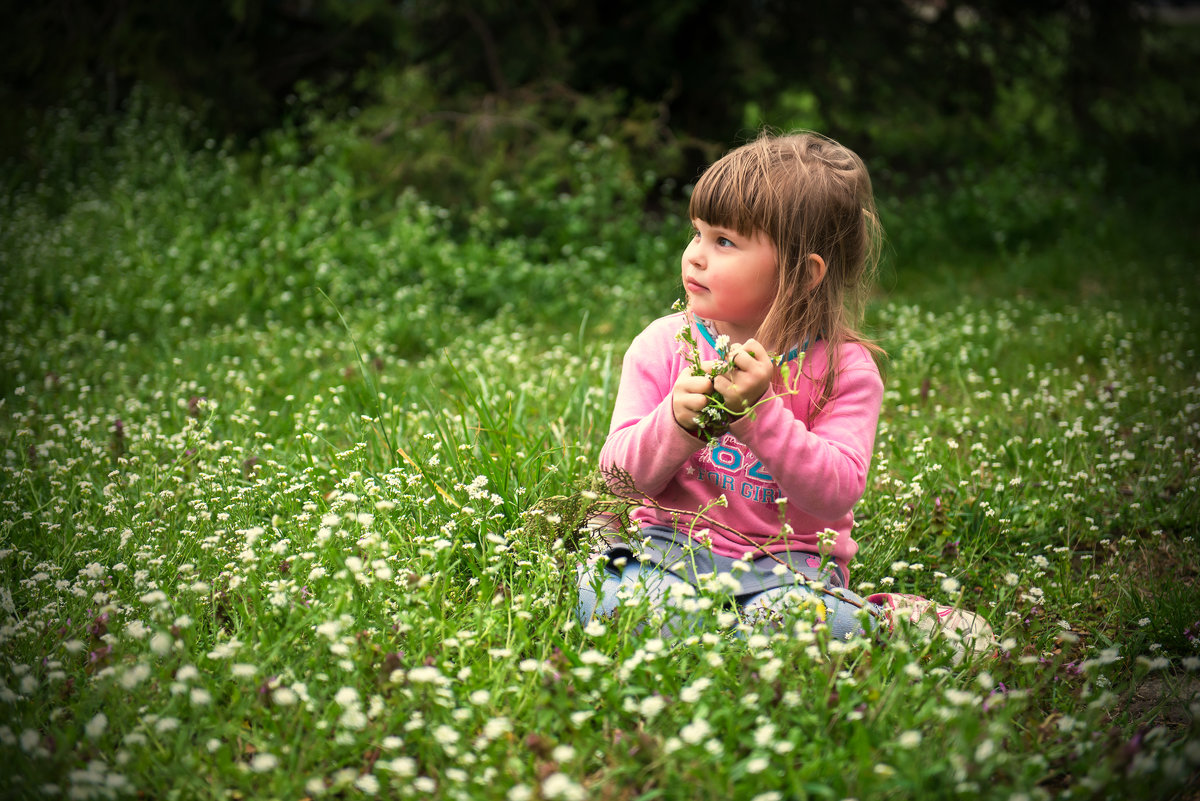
x=291, y=488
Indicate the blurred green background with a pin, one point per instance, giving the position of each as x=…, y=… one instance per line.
x=997, y=132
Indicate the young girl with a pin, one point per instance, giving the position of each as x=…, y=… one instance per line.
x=748, y=473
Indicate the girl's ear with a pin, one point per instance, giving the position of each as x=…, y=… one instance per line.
x=816, y=271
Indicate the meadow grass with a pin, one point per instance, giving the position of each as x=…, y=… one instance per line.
x=293, y=484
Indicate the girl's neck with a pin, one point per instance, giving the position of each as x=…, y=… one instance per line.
x=713, y=329
x=737, y=335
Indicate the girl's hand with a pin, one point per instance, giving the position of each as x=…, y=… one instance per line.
x=689, y=397
x=747, y=382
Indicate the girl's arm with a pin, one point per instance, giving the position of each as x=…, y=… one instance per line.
x=644, y=439
x=821, y=470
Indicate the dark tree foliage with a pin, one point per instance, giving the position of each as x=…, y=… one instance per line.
x=238, y=59
x=701, y=60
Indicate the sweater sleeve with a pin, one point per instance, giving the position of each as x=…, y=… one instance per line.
x=644, y=440
x=821, y=469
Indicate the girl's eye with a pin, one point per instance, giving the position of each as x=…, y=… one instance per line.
x=723, y=242
x=694, y=235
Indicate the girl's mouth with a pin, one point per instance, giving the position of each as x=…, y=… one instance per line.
x=692, y=285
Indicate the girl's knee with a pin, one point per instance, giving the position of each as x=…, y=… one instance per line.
x=598, y=586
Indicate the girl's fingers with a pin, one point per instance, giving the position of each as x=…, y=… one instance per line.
x=750, y=351
x=694, y=384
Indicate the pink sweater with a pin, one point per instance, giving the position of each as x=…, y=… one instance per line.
x=778, y=452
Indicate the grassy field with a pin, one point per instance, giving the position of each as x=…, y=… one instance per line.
x=292, y=481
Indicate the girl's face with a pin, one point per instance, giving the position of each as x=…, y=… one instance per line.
x=730, y=278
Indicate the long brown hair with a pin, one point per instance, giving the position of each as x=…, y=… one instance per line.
x=809, y=194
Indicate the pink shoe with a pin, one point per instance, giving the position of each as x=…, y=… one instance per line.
x=959, y=626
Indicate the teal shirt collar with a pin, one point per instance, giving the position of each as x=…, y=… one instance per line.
x=709, y=337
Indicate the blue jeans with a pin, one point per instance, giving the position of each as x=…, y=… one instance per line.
x=605, y=587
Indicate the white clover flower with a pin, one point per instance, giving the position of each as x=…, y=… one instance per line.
x=424, y=675
x=651, y=706
x=242, y=670
x=770, y=795
x=367, y=784
x=164, y=725
x=284, y=696
x=757, y=765
x=961, y=698
x=519, y=792
x=692, y=693
x=445, y=735
x=764, y=734
x=594, y=657
x=200, y=696
x=1157, y=663
x=135, y=676
x=909, y=739
x=496, y=727
x=225, y=650
x=695, y=732
x=263, y=762
x=30, y=740
x=136, y=629
x=346, y=697
x=559, y=785
x=594, y=628
x=161, y=642
x=353, y=719
x=950, y=586
x=96, y=726
x=984, y=751
x=401, y=766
